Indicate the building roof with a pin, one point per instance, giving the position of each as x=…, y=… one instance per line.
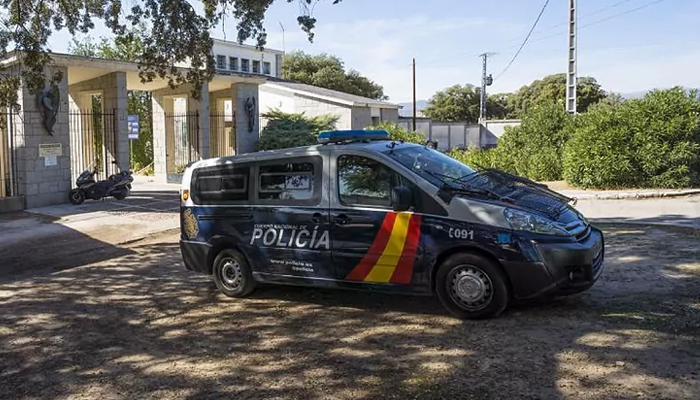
x=328, y=94
x=246, y=46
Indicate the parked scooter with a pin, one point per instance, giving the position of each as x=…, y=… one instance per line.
x=116, y=185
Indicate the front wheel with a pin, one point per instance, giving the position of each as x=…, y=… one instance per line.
x=470, y=286
x=232, y=275
x=76, y=196
x=121, y=194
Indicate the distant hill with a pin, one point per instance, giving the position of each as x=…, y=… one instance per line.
x=407, y=109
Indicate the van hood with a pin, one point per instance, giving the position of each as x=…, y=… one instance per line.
x=517, y=192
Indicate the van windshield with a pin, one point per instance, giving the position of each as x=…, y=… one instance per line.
x=431, y=164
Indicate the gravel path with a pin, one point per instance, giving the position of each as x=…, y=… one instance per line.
x=131, y=323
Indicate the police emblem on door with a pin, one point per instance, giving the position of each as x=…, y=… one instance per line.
x=190, y=225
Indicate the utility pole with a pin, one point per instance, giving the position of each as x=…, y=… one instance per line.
x=486, y=80
x=571, y=76
x=414, y=94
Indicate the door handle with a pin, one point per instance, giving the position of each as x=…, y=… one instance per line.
x=316, y=218
x=341, y=219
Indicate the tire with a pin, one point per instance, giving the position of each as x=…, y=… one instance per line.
x=122, y=194
x=489, y=293
x=232, y=274
x=76, y=196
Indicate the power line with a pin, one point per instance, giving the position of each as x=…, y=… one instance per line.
x=535, y=33
x=546, y=3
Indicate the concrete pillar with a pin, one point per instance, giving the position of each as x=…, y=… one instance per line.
x=246, y=138
x=161, y=106
x=43, y=181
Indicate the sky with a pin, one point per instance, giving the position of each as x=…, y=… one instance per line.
x=627, y=45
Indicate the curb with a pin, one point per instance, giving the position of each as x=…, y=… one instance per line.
x=635, y=196
x=145, y=236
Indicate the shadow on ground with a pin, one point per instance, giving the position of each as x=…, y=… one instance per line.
x=140, y=326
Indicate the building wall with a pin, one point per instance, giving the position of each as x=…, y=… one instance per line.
x=361, y=117
x=390, y=114
x=314, y=108
x=230, y=49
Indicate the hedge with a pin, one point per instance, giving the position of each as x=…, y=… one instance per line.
x=651, y=142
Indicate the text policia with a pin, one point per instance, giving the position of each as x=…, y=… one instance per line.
x=298, y=236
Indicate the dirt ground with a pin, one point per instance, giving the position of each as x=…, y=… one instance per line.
x=131, y=323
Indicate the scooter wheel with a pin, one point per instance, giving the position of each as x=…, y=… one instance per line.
x=122, y=194
x=76, y=196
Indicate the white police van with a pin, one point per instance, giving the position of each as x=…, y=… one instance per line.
x=360, y=211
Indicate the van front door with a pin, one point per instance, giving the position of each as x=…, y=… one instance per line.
x=370, y=242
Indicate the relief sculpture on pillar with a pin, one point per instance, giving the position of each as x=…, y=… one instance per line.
x=250, y=112
x=48, y=103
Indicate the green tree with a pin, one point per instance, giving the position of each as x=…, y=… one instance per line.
x=460, y=103
x=553, y=88
x=285, y=130
x=329, y=72
x=176, y=33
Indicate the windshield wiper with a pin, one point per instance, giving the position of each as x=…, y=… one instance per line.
x=464, y=189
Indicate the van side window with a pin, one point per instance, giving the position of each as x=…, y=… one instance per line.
x=363, y=181
x=221, y=184
x=287, y=181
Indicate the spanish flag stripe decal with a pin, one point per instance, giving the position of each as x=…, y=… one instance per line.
x=404, y=270
x=380, y=241
x=389, y=259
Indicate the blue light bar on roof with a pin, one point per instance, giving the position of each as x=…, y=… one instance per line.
x=354, y=134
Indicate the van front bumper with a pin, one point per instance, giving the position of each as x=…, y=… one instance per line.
x=557, y=268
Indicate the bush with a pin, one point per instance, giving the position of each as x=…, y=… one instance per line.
x=533, y=149
x=649, y=142
x=399, y=133
x=285, y=130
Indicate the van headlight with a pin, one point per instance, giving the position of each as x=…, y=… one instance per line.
x=522, y=221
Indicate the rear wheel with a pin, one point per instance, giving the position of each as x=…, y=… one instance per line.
x=232, y=275
x=76, y=196
x=470, y=286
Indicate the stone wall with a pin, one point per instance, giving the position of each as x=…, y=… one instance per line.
x=40, y=183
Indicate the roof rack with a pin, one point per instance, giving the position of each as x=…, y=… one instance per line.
x=350, y=135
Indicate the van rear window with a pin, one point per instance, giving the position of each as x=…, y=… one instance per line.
x=220, y=184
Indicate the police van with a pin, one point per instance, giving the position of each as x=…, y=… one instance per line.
x=360, y=211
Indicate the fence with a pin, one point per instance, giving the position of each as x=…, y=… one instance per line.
x=93, y=142
x=460, y=134
x=186, y=138
x=9, y=137
x=222, y=134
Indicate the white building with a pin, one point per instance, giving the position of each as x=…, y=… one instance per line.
x=242, y=58
x=353, y=112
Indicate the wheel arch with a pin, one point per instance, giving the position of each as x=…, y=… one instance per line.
x=468, y=249
x=219, y=244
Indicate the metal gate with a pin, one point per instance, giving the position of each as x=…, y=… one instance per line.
x=93, y=142
x=222, y=134
x=185, y=138
x=8, y=154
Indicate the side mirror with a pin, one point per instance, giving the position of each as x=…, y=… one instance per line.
x=401, y=198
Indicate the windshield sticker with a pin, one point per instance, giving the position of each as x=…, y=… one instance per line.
x=295, y=236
